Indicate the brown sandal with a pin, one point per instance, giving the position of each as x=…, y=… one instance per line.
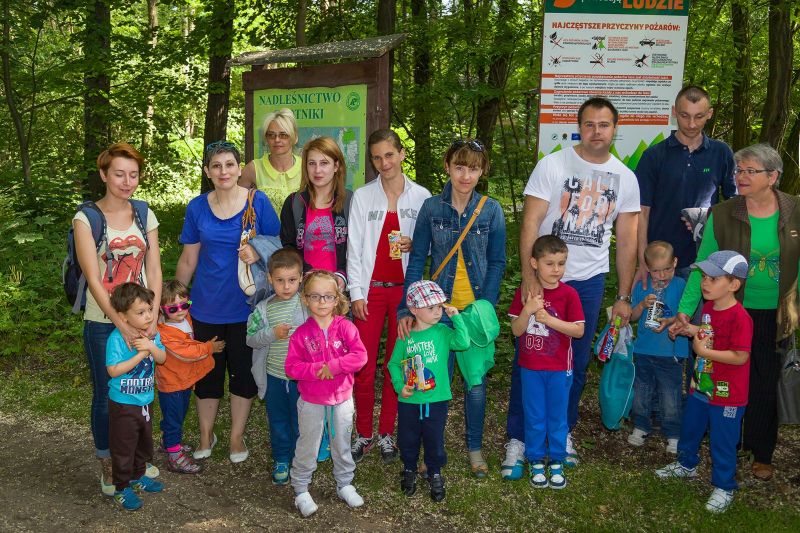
x=762, y=471
x=478, y=464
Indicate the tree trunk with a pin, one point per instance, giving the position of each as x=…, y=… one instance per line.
x=96, y=106
x=775, y=115
x=300, y=23
x=421, y=124
x=740, y=16
x=16, y=117
x=790, y=180
x=489, y=108
x=219, y=81
x=387, y=20
x=152, y=18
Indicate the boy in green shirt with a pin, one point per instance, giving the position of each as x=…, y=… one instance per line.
x=418, y=368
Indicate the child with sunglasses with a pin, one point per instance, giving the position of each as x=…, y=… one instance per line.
x=187, y=361
x=324, y=354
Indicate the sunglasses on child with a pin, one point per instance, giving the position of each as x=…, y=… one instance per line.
x=171, y=309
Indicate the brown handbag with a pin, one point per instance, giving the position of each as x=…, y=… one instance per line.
x=461, y=237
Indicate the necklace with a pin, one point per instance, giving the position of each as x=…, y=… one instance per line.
x=223, y=213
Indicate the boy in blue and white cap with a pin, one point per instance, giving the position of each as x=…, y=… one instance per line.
x=422, y=402
x=719, y=389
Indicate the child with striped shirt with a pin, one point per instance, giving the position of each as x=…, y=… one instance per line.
x=268, y=329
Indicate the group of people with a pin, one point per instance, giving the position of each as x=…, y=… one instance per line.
x=350, y=266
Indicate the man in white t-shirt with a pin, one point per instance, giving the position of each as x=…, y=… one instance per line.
x=577, y=194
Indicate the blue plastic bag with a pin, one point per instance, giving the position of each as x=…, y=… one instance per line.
x=616, y=382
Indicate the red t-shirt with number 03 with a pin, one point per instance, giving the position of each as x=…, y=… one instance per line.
x=543, y=348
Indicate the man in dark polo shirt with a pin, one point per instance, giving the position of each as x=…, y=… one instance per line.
x=685, y=170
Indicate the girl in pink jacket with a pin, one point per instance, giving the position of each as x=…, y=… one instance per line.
x=324, y=354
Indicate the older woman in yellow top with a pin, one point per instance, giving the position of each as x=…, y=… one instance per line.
x=277, y=172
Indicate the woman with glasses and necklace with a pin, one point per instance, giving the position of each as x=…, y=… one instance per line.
x=762, y=224
x=211, y=235
x=278, y=171
x=473, y=272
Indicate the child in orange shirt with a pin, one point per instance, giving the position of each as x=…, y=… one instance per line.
x=187, y=361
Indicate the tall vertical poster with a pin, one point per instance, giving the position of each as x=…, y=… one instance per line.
x=337, y=112
x=629, y=51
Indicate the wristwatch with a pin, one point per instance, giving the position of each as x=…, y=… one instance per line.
x=623, y=298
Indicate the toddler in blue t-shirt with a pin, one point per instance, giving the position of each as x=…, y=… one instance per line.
x=658, y=359
x=130, y=393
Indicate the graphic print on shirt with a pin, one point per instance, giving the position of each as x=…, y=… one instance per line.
x=586, y=203
x=541, y=340
x=140, y=379
x=127, y=258
x=769, y=262
x=320, y=235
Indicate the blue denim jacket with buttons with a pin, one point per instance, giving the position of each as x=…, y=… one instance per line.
x=438, y=228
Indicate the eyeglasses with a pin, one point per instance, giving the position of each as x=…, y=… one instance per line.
x=326, y=298
x=271, y=136
x=750, y=171
x=474, y=145
x=220, y=145
x=172, y=309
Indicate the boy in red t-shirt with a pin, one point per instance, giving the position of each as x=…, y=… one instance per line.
x=719, y=388
x=545, y=326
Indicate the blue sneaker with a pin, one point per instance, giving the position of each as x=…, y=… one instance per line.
x=514, y=465
x=536, y=475
x=557, y=479
x=128, y=499
x=280, y=474
x=147, y=484
x=324, y=448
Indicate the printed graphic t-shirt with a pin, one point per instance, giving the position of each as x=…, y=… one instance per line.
x=319, y=243
x=733, y=330
x=128, y=251
x=433, y=345
x=543, y=348
x=584, y=200
x=136, y=386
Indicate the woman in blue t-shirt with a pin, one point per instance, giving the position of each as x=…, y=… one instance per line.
x=211, y=234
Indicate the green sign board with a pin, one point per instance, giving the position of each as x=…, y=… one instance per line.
x=620, y=7
x=337, y=112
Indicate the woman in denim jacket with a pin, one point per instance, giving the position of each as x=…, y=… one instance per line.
x=473, y=273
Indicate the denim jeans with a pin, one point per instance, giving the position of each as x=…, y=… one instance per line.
x=174, y=406
x=590, y=292
x=658, y=377
x=474, y=409
x=281, y=404
x=95, y=336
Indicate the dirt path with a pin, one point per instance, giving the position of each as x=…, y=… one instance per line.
x=48, y=482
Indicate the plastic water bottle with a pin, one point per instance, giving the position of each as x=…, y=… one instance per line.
x=703, y=366
x=656, y=311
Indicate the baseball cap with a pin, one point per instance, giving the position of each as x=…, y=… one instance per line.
x=424, y=293
x=723, y=262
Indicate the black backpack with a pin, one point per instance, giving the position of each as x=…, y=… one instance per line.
x=71, y=274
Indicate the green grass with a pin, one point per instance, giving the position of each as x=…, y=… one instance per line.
x=43, y=375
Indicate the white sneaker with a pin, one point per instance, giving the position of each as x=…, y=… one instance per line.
x=719, y=501
x=305, y=504
x=672, y=446
x=350, y=496
x=512, y=467
x=676, y=470
x=572, y=458
x=636, y=438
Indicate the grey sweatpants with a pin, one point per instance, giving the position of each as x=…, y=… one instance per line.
x=311, y=419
